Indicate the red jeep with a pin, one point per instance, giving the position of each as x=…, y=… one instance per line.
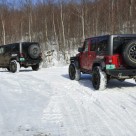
x=105, y=57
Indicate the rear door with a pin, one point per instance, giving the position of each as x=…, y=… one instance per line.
x=91, y=53
x=84, y=56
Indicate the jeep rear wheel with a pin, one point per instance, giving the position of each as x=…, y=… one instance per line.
x=74, y=73
x=129, y=54
x=99, y=79
x=14, y=66
x=35, y=67
x=8, y=68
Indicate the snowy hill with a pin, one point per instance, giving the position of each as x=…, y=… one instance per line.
x=48, y=103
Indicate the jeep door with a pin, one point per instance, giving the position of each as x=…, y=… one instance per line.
x=2, y=56
x=84, y=55
x=91, y=53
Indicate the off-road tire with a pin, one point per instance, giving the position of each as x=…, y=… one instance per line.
x=74, y=73
x=34, y=51
x=35, y=67
x=8, y=68
x=14, y=66
x=99, y=79
x=129, y=54
x=121, y=80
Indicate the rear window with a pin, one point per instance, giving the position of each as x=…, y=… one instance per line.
x=119, y=42
x=15, y=47
x=100, y=44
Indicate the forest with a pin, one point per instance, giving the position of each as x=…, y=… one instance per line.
x=64, y=24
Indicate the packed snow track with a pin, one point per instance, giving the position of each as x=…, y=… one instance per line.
x=48, y=103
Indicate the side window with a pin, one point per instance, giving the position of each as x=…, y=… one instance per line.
x=103, y=44
x=1, y=50
x=15, y=48
x=93, y=45
x=7, y=48
x=86, y=45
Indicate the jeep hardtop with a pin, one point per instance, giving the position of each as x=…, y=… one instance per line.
x=105, y=57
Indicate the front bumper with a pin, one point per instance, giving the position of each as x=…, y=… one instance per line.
x=122, y=73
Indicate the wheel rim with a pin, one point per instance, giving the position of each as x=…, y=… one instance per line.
x=132, y=53
x=72, y=72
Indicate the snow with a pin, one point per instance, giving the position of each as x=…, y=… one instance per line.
x=48, y=103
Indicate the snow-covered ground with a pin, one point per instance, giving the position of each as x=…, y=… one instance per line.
x=48, y=103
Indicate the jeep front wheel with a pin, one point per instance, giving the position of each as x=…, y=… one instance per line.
x=99, y=79
x=14, y=66
x=74, y=73
x=35, y=67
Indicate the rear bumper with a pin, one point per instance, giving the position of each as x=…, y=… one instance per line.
x=31, y=62
x=122, y=73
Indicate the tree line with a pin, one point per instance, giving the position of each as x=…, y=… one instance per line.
x=64, y=24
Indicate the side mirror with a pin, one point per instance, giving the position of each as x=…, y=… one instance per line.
x=80, y=49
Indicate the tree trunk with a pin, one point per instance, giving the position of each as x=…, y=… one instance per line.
x=3, y=32
x=83, y=24
x=63, y=32
x=29, y=31
x=56, y=38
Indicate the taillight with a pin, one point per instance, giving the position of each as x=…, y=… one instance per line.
x=109, y=59
x=22, y=55
x=113, y=60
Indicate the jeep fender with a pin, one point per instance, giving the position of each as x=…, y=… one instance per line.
x=14, y=58
x=100, y=63
x=75, y=62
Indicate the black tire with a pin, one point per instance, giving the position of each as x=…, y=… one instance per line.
x=99, y=79
x=14, y=66
x=8, y=68
x=34, y=51
x=74, y=73
x=35, y=67
x=121, y=80
x=129, y=54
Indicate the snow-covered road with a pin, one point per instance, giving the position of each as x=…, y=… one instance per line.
x=48, y=103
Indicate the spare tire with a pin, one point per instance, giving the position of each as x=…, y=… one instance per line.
x=34, y=51
x=129, y=54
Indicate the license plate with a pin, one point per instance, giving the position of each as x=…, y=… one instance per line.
x=22, y=59
x=110, y=66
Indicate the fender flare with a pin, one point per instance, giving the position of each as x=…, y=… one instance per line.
x=100, y=63
x=75, y=62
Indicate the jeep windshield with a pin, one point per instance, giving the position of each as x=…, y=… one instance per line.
x=118, y=42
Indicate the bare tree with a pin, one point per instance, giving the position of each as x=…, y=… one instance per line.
x=3, y=8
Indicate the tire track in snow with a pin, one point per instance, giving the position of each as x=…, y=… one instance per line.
x=118, y=114
x=24, y=96
x=80, y=112
x=122, y=124
x=98, y=116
